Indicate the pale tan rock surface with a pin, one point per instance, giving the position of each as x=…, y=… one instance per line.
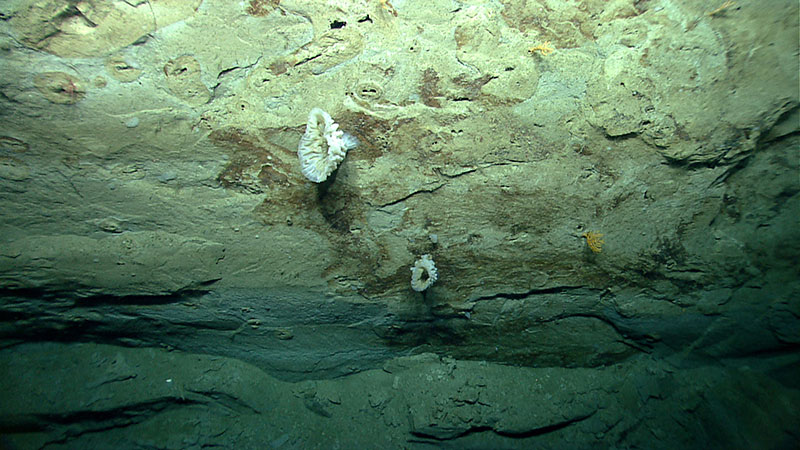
x=151, y=197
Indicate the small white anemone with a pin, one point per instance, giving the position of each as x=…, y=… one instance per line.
x=423, y=273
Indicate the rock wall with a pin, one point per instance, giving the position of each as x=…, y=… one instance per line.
x=152, y=196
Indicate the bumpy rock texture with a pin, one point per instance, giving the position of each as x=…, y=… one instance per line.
x=169, y=276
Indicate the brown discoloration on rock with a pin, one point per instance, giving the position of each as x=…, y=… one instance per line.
x=429, y=89
x=279, y=67
x=60, y=87
x=261, y=8
x=374, y=135
x=471, y=86
x=255, y=163
x=567, y=27
x=334, y=209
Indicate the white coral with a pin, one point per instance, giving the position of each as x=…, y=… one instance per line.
x=323, y=146
x=423, y=274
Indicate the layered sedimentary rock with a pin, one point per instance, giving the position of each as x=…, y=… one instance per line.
x=152, y=197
